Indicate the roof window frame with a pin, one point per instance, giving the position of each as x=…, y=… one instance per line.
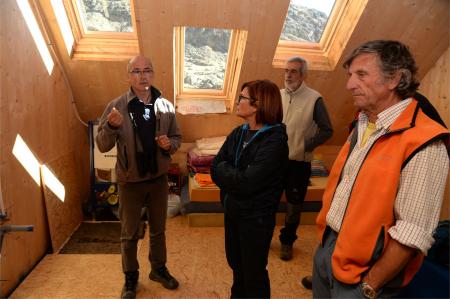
x=325, y=54
x=101, y=45
x=235, y=57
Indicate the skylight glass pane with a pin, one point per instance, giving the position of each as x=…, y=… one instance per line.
x=205, y=57
x=306, y=20
x=105, y=15
x=36, y=33
x=64, y=25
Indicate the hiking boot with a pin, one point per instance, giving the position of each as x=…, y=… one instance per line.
x=307, y=282
x=286, y=252
x=131, y=281
x=163, y=276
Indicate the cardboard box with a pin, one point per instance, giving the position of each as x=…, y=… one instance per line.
x=209, y=194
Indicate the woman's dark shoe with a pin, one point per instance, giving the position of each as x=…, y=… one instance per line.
x=307, y=282
x=286, y=252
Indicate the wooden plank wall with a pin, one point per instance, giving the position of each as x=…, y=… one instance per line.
x=263, y=20
x=424, y=25
x=264, y=28
x=36, y=106
x=436, y=86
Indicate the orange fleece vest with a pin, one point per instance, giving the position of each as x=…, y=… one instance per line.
x=370, y=209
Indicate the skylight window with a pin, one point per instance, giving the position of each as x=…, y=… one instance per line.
x=103, y=29
x=36, y=33
x=317, y=31
x=306, y=20
x=205, y=57
x=107, y=16
x=207, y=64
x=64, y=25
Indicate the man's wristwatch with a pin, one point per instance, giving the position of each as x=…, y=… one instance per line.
x=368, y=291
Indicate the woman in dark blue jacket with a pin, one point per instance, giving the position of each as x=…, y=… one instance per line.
x=249, y=170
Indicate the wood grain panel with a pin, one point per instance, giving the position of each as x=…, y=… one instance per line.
x=262, y=19
x=36, y=106
x=64, y=216
x=423, y=25
x=436, y=86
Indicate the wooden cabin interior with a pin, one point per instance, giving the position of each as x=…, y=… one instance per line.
x=50, y=94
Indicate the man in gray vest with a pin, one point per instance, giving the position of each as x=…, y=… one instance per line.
x=308, y=126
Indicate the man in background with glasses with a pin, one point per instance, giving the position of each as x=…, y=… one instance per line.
x=142, y=123
x=308, y=126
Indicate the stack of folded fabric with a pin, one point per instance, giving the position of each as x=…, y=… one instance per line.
x=211, y=145
x=200, y=157
x=198, y=163
x=318, y=169
x=203, y=180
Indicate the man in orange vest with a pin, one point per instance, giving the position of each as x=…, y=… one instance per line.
x=385, y=191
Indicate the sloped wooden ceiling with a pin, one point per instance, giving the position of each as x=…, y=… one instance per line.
x=421, y=24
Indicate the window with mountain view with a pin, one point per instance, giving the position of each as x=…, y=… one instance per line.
x=102, y=29
x=105, y=15
x=317, y=30
x=306, y=20
x=205, y=57
x=208, y=62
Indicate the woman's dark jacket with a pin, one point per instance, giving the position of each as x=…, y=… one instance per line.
x=251, y=178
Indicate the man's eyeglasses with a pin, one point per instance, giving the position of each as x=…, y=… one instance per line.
x=241, y=97
x=144, y=72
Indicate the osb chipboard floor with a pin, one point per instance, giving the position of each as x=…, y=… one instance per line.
x=196, y=257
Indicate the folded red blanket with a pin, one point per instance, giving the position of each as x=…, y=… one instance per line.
x=196, y=160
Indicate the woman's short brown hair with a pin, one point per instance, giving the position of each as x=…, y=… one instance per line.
x=267, y=100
